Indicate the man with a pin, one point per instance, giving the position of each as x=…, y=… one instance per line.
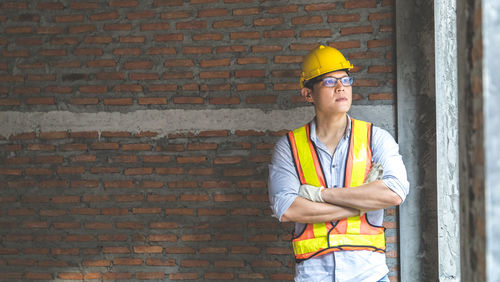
x=338, y=232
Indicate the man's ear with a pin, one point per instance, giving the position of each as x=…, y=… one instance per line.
x=307, y=94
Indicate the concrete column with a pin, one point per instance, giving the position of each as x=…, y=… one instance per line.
x=491, y=88
x=447, y=139
x=416, y=137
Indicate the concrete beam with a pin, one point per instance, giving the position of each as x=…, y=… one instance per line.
x=174, y=121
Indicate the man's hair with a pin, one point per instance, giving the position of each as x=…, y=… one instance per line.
x=311, y=82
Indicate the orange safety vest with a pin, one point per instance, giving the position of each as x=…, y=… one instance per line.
x=352, y=233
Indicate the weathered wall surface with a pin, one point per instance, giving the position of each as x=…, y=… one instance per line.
x=471, y=141
x=416, y=109
x=136, y=135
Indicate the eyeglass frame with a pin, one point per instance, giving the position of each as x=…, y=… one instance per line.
x=345, y=81
x=322, y=80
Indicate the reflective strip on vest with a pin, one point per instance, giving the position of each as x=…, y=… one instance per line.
x=353, y=233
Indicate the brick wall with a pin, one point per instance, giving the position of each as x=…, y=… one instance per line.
x=137, y=205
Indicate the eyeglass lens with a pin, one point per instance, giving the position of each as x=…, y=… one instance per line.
x=332, y=81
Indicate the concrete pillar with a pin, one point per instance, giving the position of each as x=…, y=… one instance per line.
x=448, y=201
x=417, y=138
x=491, y=88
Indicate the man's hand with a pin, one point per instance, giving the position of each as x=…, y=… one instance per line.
x=311, y=193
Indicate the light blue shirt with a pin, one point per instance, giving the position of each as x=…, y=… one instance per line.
x=284, y=186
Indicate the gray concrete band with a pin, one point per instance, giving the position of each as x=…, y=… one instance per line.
x=174, y=121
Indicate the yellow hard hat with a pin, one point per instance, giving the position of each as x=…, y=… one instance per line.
x=321, y=60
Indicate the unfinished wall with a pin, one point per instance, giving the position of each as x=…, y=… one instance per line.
x=471, y=133
x=136, y=134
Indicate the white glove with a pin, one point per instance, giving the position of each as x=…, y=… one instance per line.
x=376, y=173
x=311, y=193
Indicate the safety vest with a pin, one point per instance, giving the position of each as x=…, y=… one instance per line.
x=352, y=233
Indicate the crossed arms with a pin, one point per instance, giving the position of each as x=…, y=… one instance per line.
x=342, y=203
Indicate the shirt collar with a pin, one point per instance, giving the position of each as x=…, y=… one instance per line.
x=314, y=137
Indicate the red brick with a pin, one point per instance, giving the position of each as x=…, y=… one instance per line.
x=201, y=146
x=154, y=26
x=84, y=6
x=386, y=28
x=252, y=60
x=380, y=16
x=219, y=275
x=127, y=261
x=152, y=101
x=18, y=30
x=28, y=41
x=117, y=276
x=38, y=275
x=148, y=249
x=282, y=9
x=228, y=198
x=366, y=82
x=14, y=5
x=215, y=63
x=40, y=101
x=82, y=28
x=183, y=276
x=123, y=3
x=380, y=96
x=213, y=133
x=101, y=63
x=307, y=20
x=115, y=250
x=227, y=24
x=178, y=75
x=246, y=11
x=319, y=7
x=284, y=276
x=344, y=18
x=14, y=54
x=118, y=102
x=360, y=4
x=164, y=225
x=140, y=15
x=50, y=6
x=10, y=102
x=194, y=198
x=163, y=238
x=190, y=25
x=279, y=33
x=244, y=35
x=188, y=100
x=181, y=211
x=356, y=30
x=231, y=49
x=17, y=160
x=212, y=13
x=214, y=74
x=195, y=263
x=268, y=21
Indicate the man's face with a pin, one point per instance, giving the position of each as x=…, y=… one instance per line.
x=331, y=99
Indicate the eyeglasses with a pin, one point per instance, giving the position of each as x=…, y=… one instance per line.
x=332, y=81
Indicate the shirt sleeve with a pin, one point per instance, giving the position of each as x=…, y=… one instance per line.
x=283, y=182
x=386, y=152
